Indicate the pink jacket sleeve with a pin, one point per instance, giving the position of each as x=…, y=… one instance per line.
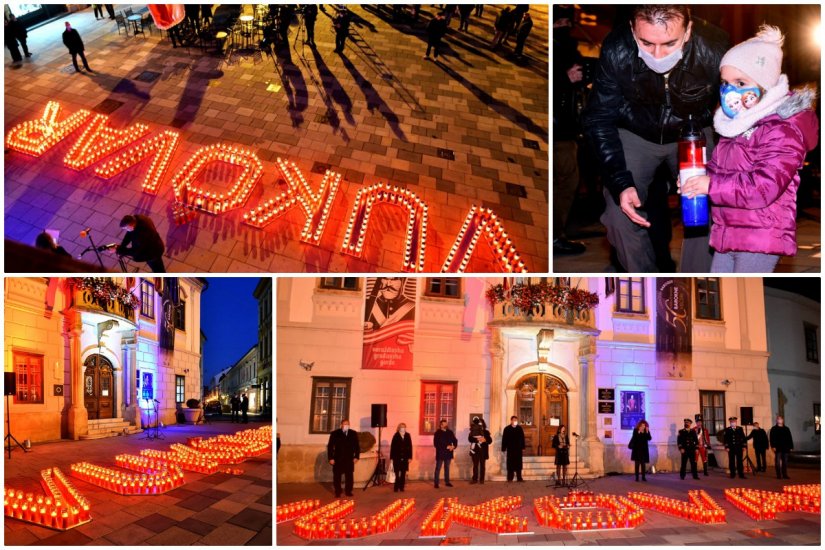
x=780, y=155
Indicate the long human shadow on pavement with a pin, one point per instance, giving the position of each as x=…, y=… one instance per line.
x=374, y=99
x=513, y=115
x=333, y=91
x=294, y=85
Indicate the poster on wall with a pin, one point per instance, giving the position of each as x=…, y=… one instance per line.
x=389, y=323
x=147, y=390
x=673, y=328
x=632, y=408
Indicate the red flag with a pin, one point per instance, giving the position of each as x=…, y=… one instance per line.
x=166, y=15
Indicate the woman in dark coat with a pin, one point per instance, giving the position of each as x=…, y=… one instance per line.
x=561, y=442
x=640, y=455
x=401, y=454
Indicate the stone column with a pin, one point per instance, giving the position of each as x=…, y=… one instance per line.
x=129, y=350
x=595, y=448
x=495, y=425
x=78, y=416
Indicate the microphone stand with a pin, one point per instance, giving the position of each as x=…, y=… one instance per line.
x=95, y=248
x=148, y=435
x=576, y=480
x=157, y=421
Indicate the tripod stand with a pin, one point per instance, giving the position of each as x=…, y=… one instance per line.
x=576, y=480
x=9, y=437
x=748, y=465
x=379, y=475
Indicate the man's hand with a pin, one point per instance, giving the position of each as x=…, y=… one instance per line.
x=629, y=202
x=575, y=74
x=332, y=462
x=696, y=185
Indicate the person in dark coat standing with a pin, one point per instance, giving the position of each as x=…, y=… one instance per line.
x=436, y=29
x=734, y=439
x=464, y=12
x=513, y=443
x=98, y=11
x=343, y=452
x=781, y=444
x=480, y=441
x=146, y=244
x=18, y=31
x=341, y=26
x=235, y=405
x=760, y=446
x=401, y=452
x=244, y=408
x=515, y=20
x=687, y=443
x=523, y=32
x=502, y=25
x=445, y=443
x=110, y=9
x=561, y=442
x=639, y=452
x=73, y=42
x=11, y=44
x=310, y=15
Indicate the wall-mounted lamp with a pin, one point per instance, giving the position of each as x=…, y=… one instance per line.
x=726, y=382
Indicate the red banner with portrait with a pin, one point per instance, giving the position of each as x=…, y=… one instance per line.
x=389, y=323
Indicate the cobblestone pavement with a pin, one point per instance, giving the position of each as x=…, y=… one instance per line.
x=468, y=129
x=795, y=528
x=219, y=509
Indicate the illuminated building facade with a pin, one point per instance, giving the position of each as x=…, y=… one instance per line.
x=263, y=293
x=597, y=369
x=93, y=357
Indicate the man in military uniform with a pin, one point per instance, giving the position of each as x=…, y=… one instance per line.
x=687, y=443
x=734, y=443
x=704, y=443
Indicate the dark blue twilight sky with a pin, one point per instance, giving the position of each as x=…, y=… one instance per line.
x=229, y=319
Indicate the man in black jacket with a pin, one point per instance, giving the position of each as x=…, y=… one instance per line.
x=445, y=443
x=687, y=443
x=760, y=446
x=73, y=42
x=513, y=443
x=310, y=15
x=343, y=452
x=782, y=445
x=653, y=74
x=18, y=31
x=734, y=439
x=147, y=246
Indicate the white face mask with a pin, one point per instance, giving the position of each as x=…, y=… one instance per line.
x=402, y=431
x=733, y=424
x=345, y=427
x=515, y=423
x=780, y=422
x=663, y=64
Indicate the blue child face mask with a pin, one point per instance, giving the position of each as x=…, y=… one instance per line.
x=735, y=100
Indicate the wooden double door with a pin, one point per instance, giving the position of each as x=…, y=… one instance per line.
x=541, y=407
x=98, y=387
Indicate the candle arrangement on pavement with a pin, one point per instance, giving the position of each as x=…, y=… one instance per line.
x=162, y=146
x=483, y=222
x=761, y=505
x=619, y=512
x=35, y=137
x=700, y=507
x=327, y=523
x=99, y=140
x=61, y=508
x=129, y=484
x=489, y=516
x=189, y=460
x=293, y=510
x=807, y=498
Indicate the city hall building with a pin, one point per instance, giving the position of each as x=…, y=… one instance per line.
x=594, y=354
x=91, y=357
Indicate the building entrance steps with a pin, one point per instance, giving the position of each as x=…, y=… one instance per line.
x=535, y=468
x=109, y=427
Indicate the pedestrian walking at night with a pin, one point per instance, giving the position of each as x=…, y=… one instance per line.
x=110, y=9
x=244, y=408
x=11, y=44
x=146, y=244
x=445, y=442
x=401, y=452
x=449, y=11
x=341, y=25
x=343, y=452
x=782, y=444
x=436, y=29
x=310, y=15
x=523, y=33
x=513, y=443
x=464, y=11
x=18, y=31
x=502, y=25
x=73, y=42
x=98, y=11
x=639, y=450
x=235, y=405
x=479, y=9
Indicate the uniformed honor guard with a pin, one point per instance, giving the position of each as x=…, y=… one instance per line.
x=704, y=443
x=734, y=443
x=687, y=443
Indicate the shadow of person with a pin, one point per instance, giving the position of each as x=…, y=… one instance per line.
x=513, y=115
x=374, y=99
x=294, y=85
x=197, y=82
x=333, y=87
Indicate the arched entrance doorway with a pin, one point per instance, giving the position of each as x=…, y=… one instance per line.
x=541, y=407
x=98, y=387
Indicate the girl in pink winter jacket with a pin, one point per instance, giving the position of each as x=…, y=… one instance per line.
x=766, y=130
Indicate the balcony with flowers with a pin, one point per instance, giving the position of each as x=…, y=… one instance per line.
x=106, y=295
x=542, y=302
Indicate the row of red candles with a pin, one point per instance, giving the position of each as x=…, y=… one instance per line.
x=761, y=505
x=62, y=507
x=318, y=525
x=623, y=513
x=700, y=507
x=438, y=520
x=494, y=522
x=292, y=510
x=129, y=484
x=189, y=461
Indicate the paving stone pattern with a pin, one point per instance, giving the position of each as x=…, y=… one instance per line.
x=458, y=132
x=218, y=509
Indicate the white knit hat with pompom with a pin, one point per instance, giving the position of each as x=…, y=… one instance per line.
x=759, y=57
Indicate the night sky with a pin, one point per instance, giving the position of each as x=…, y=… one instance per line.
x=229, y=320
